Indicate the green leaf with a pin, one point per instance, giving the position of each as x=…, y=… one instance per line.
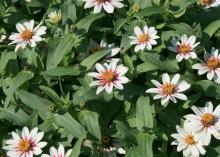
x=144, y=117
x=147, y=66
x=145, y=142
x=36, y=103
x=76, y=148
x=151, y=11
x=68, y=10
x=5, y=58
x=72, y=126
x=212, y=28
x=63, y=71
x=91, y=121
x=128, y=62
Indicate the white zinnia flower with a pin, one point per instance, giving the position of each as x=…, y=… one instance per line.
x=211, y=65
x=205, y=121
x=184, y=48
x=188, y=142
x=58, y=153
x=55, y=16
x=210, y=3
x=26, y=145
x=109, y=76
x=170, y=89
x=27, y=35
x=144, y=39
x=108, y=5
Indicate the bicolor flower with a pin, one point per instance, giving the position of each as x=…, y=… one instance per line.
x=108, y=76
x=27, y=35
x=185, y=48
x=188, y=142
x=169, y=89
x=26, y=145
x=55, y=17
x=60, y=152
x=210, y=3
x=108, y=5
x=205, y=121
x=210, y=65
x=144, y=39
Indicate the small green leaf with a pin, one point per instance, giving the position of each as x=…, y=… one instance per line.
x=77, y=147
x=145, y=142
x=212, y=28
x=63, y=71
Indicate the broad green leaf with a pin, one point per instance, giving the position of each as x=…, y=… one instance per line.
x=77, y=147
x=5, y=58
x=72, y=126
x=183, y=28
x=63, y=71
x=91, y=121
x=145, y=142
x=128, y=62
x=68, y=10
x=212, y=28
x=33, y=120
x=144, y=117
x=147, y=66
x=148, y=11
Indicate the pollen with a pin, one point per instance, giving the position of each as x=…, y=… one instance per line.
x=168, y=88
x=184, y=48
x=189, y=139
x=213, y=63
x=208, y=119
x=207, y=2
x=26, y=35
x=144, y=38
x=24, y=145
x=108, y=76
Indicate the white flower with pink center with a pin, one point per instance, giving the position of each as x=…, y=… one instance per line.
x=109, y=75
x=26, y=145
x=60, y=152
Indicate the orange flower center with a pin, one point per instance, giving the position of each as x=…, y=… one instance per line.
x=144, y=38
x=102, y=1
x=168, y=88
x=108, y=76
x=93, y=50
x=213, y=63
x=183, y=48
x=189, y=139
x=207, y=2
x=24, y=145
x=26, y=35
x=208, y=119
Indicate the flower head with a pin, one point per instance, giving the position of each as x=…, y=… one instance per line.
x=60, y=152
x=27, y=34
x=55, y=16
x=170, y=89
x=205, y=121
x=184, y=48
x=211, y=65
x=210, y=3
x=108, y=5
x=26, y=145
x=188, y=142
x=109, y=76
x=144, y=39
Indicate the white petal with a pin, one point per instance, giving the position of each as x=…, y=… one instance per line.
x=179, y=58
x=175, y=79
x=97, y=9
x=109, y=8
x=182, y=86
x=153, y=90
x=165, y=78
x=99, y=68
x=121, y=70
x=193, y=55
x=180, y=96
x=137, y=31
x=156, y=83
x=99, y=89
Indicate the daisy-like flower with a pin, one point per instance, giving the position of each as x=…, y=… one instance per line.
x=211, y=65
x=109, y=76
x=144, y=39
x=170, y=89
x=27, y=35
x=188, y=142
x=108, y=5
x=205, y=121
x=210, y=3
x=60, y=152
x=26, y=145
x=184, y=48
x=55, y=17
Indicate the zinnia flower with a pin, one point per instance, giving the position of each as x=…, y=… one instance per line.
x=211, y=65
x=27, y=35
x=205, y=121
x=108, y=5
x=55, y=16
x=58, y=153
x=109, y=76
x=188, y=142
x=144, y=39
x=170, y=89
x=26, y=145
x=184, y=48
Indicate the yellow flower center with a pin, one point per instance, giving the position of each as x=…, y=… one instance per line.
x=102, y=1
x=105, y=140
x=26, y=35
x=208, y=119
x=144, y=38
x=24, y=145
x=213, y=63
x=184, y=48
x=168, y=88
x=189, y=139
x=108, y=76
x=207, y=2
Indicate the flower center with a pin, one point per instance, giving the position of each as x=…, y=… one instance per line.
x=108, y=76
x=24, y=145
x=189, y=139
x=168, y=88
x=95, y=49
x=208, y=119
x=26, y=35
x=144, y=38
x=213, y=63
x=207, y=2
x=183, y=48
x=105, y=140
x=102, y=1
